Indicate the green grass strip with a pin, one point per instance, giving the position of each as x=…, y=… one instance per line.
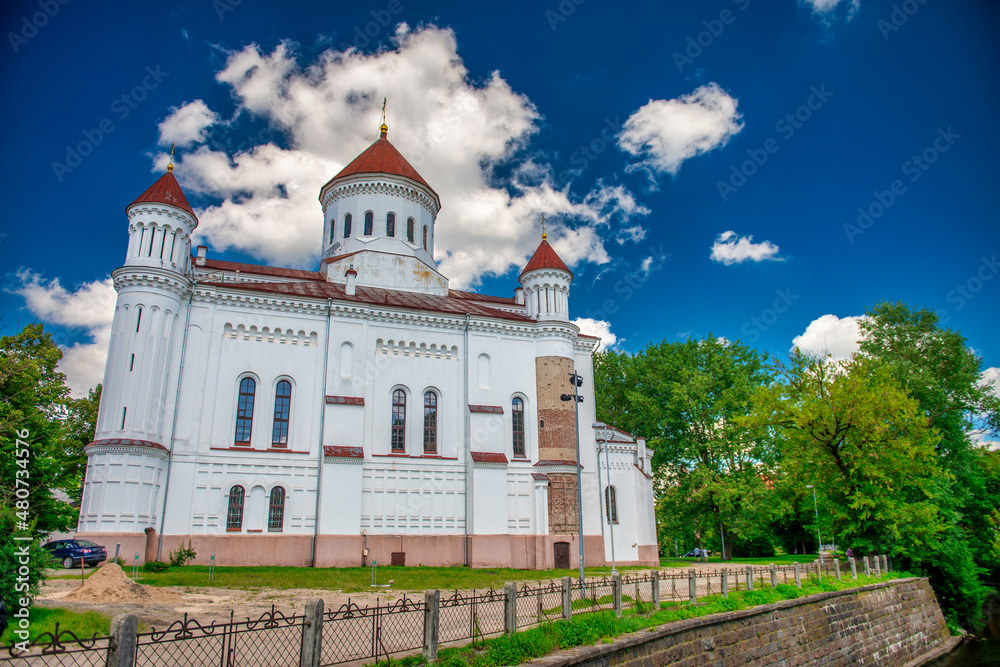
x=602, y=627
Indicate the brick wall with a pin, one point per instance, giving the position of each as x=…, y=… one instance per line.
x=884, y=624
x=557, y=439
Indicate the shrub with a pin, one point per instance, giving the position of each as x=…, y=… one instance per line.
x=182, y=555
x=155, y=566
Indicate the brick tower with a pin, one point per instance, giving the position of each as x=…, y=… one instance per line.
x=546, y=281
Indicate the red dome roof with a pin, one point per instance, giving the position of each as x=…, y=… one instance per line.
x=545, y=258
x=166, y=190
x=382, y=158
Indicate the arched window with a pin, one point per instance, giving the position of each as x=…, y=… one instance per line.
x=390, y=225
x=138, y=319
x=610, y=506
x=369, y=223
x=430, y=423
x=276, y=510
x=410, y=229
x=282, y=404
x=399, y=421
x=333, y=230
x=347, y=226
x=244, y=411
x=234, y=517
x=517, y=422
x=425, y=238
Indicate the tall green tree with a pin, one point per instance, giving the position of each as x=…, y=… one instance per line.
x=713, y=474
x=78, y=430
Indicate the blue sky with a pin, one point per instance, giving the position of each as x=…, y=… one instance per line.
x=762, y=171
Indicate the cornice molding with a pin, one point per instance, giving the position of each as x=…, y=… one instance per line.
x=381, y=185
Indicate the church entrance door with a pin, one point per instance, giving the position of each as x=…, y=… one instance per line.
x=561, y=555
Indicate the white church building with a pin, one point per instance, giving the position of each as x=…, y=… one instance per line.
x=277, y=416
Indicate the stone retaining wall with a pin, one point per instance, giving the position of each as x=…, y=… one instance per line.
x=889, y=623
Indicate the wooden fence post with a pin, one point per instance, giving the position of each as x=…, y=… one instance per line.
x=616, y=588
x=432, y=614
x=692, y=586
x=567, y=598
x=774, y=575
x=510, y=607
x=121, y=652
x=725, y=582
x=798, y=575
x=656, y=590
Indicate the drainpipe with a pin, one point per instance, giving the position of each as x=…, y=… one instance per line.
x=322, y=421
x=468, y=446
x=173, y=425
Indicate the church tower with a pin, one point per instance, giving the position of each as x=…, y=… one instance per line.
x=378, y=220
x=137, y=403
x=545, y=281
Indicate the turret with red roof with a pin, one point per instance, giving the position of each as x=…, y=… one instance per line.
x=546, y=280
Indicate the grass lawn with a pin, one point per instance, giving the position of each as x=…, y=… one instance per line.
x=43, y=619
x=355, y=579
x=766, y=560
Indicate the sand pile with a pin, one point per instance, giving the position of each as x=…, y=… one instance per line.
x=111, y=584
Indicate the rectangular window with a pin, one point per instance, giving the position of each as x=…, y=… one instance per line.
x=131, y=364
x=124, y=412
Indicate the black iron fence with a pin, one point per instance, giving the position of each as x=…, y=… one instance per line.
x=352, y=633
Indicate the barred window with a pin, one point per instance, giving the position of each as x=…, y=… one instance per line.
x=410, y=225
x=517, y=421
x=234, y=517
x=282, y=404
x=399, y=421
x=276, y=510
x=244, y=412
x=369, y=223
x=390, y=224
x=347, y=226
x=610, y=506
x=430, y=422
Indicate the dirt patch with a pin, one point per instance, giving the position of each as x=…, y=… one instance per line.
x=111, y=584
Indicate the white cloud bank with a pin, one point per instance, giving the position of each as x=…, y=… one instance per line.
x=829, y=334
x=599, y=328
x=454, y=131
x=91, y=307
x=732, y=249
x=665, y=133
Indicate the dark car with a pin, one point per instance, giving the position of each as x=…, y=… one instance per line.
x=70, y=552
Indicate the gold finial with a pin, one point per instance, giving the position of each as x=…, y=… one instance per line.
x=170, y=167
x=384, y=127
x=543, y=226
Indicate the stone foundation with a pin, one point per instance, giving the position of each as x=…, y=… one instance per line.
x=886, y=624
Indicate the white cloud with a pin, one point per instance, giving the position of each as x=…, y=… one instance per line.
x=732, y=249
x=827, y=9
x=665, y=133
x=454, y=131
x=599, y=328
x=187, y=124
x=831, y=335
x=91, y=307
x=991, y=374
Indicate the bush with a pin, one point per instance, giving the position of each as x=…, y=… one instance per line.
x=155, y=566
x=182, y=555
x=13, y=589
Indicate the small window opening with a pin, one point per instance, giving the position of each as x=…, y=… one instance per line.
x=131, y=364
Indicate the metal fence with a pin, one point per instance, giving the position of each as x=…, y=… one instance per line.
x=354, y=633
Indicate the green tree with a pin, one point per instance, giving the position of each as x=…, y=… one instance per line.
x=78, y=432
x=712, y=472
